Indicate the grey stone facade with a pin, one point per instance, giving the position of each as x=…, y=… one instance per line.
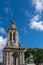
x=13, y=53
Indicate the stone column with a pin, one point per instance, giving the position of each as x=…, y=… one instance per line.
x=7, y=59
x=11, y=59
x=8, y=42
x=23, y=58
x=12, y=37
x=16, y=36
x=18, y=57
x=17, y=61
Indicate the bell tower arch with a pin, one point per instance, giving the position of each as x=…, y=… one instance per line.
x=13, y=34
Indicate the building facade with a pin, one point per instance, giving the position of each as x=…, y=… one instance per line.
x=13, y=53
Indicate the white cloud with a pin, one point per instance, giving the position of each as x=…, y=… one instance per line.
x=3, y=42
x=26, y=12
x=35, y=18
x=2, y=30
x=38, y=5
x=1, y=59
x=35, y=24
x=25, y=30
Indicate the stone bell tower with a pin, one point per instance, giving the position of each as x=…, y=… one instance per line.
x=13, y=53
x=13, y=35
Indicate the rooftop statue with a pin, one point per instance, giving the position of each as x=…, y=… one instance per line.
x=30, y=59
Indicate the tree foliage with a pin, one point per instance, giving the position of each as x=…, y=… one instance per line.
x=37, y=54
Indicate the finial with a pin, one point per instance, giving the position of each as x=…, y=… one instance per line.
x=13, y=24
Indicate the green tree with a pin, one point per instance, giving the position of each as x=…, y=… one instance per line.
x=37, y=54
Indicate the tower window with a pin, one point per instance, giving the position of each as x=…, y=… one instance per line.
x=14, y=36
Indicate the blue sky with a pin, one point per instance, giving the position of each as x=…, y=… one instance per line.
x=28, y=15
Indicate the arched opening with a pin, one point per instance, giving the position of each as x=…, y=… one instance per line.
x=14, y=58
x=14, y=36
